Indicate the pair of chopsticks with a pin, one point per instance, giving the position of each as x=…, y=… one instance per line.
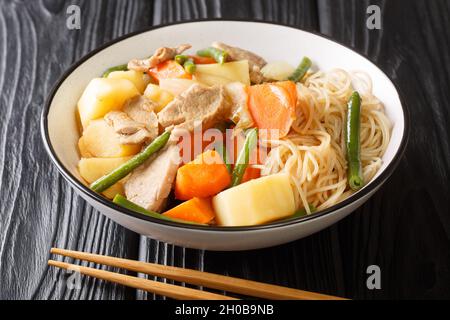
x=205, y=279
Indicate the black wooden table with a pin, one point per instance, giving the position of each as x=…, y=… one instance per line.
x=404, y=228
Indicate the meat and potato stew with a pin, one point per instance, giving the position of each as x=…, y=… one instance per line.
x=222, y=137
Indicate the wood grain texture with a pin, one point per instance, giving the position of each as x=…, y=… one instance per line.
x=38, y=209
x=404, y=228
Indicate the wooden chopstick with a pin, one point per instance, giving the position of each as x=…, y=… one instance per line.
x=206, y=279
x=164, y=289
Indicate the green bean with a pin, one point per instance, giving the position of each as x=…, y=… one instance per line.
x=220, y=146
x=122, y=67
x=223, y=126
x=123, y=202
x=302, y=212
x=301, y=70
x=242, y=161
x=352, y=142
x=181, y=58
x=111, y=178
x=219, y=55
x=189, y=66
x=186, y=62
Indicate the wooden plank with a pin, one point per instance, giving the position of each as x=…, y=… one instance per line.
x=405, y=227
x=38, y=209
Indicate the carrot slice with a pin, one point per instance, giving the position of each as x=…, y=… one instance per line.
x=206, y=176
x=256, y=155
x=169, y=69
x=272, y=106
x=195, y=210
x=250, y=174
x=203, y=60
x=196, y=143
x=290, y=88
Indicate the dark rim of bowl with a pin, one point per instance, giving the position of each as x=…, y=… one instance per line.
x=280, y=223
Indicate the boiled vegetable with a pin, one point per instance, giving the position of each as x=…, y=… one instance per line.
x=221, y=74
x=159, y=95
x=352, y=142
x=250, y=174
x=93, y=168
x=202, y=60
x=206, y=176
x=272, y=106
x=176, y=86
x=181, y=58
x=103, y=95
x=169, y=69
x=189, y=66
x=255, y=202
x=121, y=67
x=301, y=70
x=219, y=55
x=194, y=210
x=101, y=141
x=108, y=180
x=187, y=62
x=221, y=145
x=277, y=70
x=192, y=145
x=139, y=79
x=123, y=202
x=221, y=148
x=290, y=88
x=238, y=96
x=243, y=159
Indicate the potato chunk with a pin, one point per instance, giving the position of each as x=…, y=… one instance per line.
x=100, y=140
x=160, y=96
x=255, y=202
x=277, y=70
x=139, y=79
x=103, y=95
x=92, y=169
x=212, y=74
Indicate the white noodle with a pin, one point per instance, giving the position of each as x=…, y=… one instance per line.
x=314, y=151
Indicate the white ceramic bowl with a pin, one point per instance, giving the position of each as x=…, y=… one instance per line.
x=273, y=42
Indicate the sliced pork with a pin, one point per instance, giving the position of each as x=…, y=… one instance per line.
x=256, y=76
x=162, y=54
x=198, y=104
x=122, y=123
x=142, y=110
x=137, y=123
x=150, y=184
